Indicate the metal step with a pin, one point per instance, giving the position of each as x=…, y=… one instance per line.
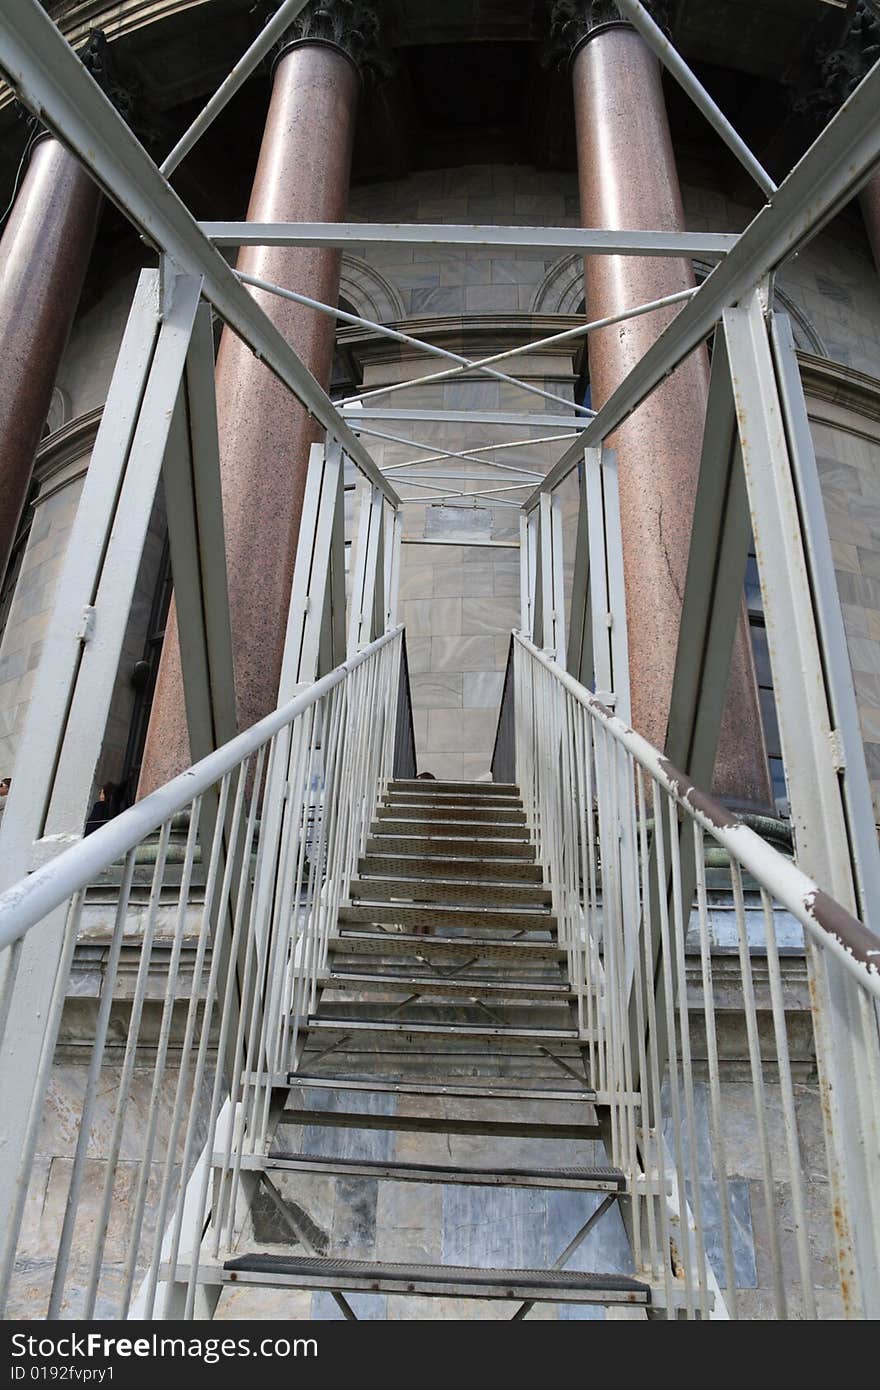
x=485, y=918
x=405, y=943
x=466, y=846
x=463, y=1088
x=469, y=988
x=443, y=1281
x=449, y=891
x=426, y=787
x=463, y=830
x=578, y=1179
x=409, y=810
x=441, y=1124
x=472, y=803
x=468, y=1032
x=421, y=866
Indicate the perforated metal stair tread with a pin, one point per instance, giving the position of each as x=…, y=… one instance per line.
x=405, y=784
x=454, y=1089
x=464, y=847
x=437, y=984
x=427, y=829
x=443, y=1124
x=351, y=940
x=466, y=1031
x=448, y=915
x=380, y=863
x=545, y=1285
x=458, y=891
x=415, y=810
x=587, y=1179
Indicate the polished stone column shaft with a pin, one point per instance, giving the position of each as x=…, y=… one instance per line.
x=265, y=434
x=628, y=179
x=44, y=255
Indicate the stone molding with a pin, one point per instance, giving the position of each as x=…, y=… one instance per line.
x=64, y=455
x=468, y=334
x=368, y=292
x=841, y=386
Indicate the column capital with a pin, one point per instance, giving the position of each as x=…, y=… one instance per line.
x=841, y=65
x=119, y=86
x=352, y=27
x=574, y=22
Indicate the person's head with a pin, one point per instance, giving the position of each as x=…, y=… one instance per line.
x=107, y=792
x=5, y=784
x=426, y=777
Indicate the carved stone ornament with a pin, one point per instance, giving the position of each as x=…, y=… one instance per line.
x=842, y=65
x=353, y=26
x=118, y=85
x=573, y=22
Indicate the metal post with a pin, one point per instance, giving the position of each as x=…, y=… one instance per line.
x=552, y=590
x=810, y=746
x=191, y=477
x=64, y=730
x=365, y=576
x=607, y=592
x=713, y=588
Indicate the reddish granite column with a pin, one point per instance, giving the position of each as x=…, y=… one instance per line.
x=44, y=254
x=265, y=435
x=628, y=179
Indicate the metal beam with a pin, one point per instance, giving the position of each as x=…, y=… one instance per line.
x=463, y=364
x=675, y=64
x=191, y=477
x=316, y=575
x=51, y=81
x=810, y=747
x=281, y=20
x=824, y=181
x=64, y=727
x=550, y=241
x=519, y=419
x=610, y=648
x=713, y=587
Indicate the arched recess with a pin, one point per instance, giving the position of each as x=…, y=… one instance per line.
x=369, y=293
x=562, y=292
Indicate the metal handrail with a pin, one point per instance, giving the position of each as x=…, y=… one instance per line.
x=830, y=924
x=27, y=902
x=622, y=836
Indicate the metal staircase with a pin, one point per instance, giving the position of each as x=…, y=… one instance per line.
x=444, y=963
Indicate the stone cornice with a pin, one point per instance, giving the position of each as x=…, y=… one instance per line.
x=70, y=445
x=468, y=333
x=837, y=384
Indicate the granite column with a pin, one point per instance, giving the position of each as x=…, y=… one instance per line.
x=628, y=179
x=265, y=434
x=44, y=255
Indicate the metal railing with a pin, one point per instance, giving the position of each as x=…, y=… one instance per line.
x=623, y=837
x=182, y=1073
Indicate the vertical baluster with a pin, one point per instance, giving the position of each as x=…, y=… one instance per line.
x=758, y=1091
x=786, y=1088
x=679, y=929
x=666, y=963
x=127, y=1073
x=90, y=1096
x=716, y=1114
x=41, y=1085
x=640, y=985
